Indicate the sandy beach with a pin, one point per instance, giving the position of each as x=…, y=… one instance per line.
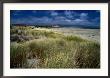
x=89, y=34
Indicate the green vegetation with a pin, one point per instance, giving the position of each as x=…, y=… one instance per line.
x=54, y=50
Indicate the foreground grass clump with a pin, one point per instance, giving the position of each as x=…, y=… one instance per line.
x=17, y=55
x=55, y=51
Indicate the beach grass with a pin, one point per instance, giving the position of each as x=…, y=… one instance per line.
x=53, y=49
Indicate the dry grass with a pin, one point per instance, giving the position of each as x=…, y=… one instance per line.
x=54, y=50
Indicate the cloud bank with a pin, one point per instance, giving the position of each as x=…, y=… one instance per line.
x=62, y=17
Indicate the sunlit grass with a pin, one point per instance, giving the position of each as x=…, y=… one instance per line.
x=55, y=50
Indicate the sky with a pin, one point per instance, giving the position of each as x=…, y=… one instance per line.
x=54, y=17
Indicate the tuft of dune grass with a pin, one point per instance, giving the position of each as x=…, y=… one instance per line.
x=17, y=55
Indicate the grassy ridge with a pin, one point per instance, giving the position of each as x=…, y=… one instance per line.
x=54, y=50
